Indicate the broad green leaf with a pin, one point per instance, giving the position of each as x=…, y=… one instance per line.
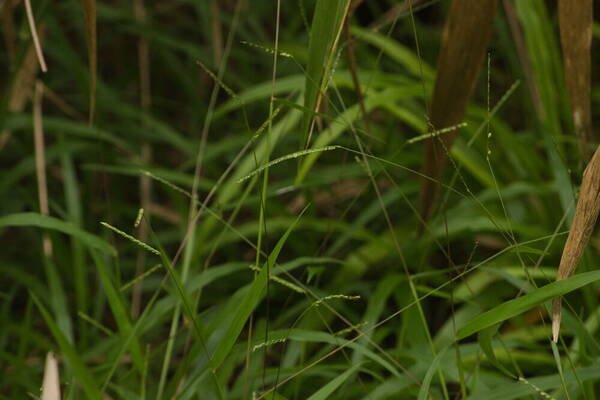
x=45, y=222
x=517, y=306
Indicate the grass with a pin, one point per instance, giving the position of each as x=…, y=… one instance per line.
x=211, y=200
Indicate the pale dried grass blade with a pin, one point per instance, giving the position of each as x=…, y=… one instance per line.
x=575, y=20
x=34, y=35
x=51, y=384
x=586, y=214
x=21, y=89
x=464, y=45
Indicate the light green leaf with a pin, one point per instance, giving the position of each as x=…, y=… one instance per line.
x=326, y=27
x=45, y=222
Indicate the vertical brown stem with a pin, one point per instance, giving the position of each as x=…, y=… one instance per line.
x=40, y=161
x=464, y=44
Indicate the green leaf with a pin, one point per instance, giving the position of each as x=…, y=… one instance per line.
x=118, y=309
x=433, y=368
x=328, y=389
x=396, y=51
x=514, y=307
x=325, y=30
x=42, y=221
x=249, y=302
x=90, y=387
x=485, y=342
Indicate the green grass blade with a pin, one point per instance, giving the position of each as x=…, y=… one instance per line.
x=250, y=301
x=328, y=389
x=485, y=342
x=325, y=30
x=433, y=368
x=46, y=222
x=84, y=376
x=515, y=307
x=118, y=309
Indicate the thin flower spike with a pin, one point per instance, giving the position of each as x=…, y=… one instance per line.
x=586, y=214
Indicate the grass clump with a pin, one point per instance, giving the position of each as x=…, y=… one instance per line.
x=403, y=182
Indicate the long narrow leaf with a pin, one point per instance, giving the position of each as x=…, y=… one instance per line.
x=46, y=222
x=517, y=306
x=325, y=30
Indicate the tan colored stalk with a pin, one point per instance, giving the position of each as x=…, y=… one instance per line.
x=34, y=35
x=40, y=161
x=22, y=86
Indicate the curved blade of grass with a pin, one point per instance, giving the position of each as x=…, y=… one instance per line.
x=118, y=310
x=250, y=301
x=517, y=306
x=396, y=51
x=83, y=375
x=344, y=121
x=328, y=389
x=485, y=342
x=433, y=368
x=46, y=222
x=324, y=33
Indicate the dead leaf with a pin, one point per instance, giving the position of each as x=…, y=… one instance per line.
x=51, y=384
x=586, y=214
x=464, y=43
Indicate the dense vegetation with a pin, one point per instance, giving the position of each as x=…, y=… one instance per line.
x=220, y=200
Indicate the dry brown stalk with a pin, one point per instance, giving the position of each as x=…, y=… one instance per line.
x=40, y=160
x=575, y=20
x=464, y=43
